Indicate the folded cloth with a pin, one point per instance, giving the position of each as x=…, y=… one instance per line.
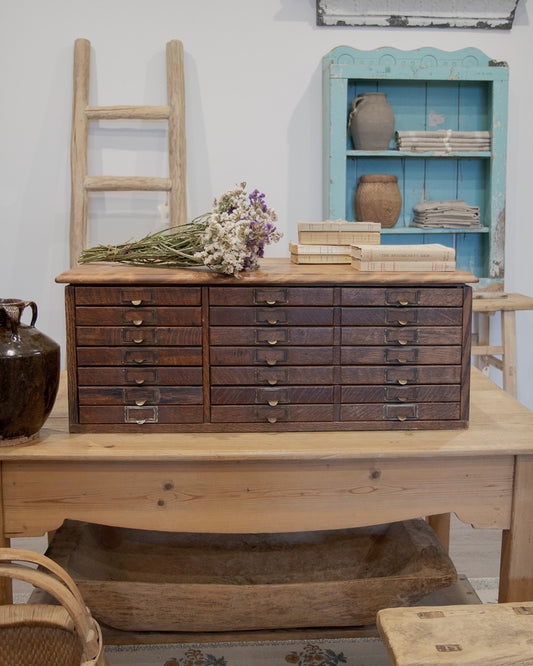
x=454, y=213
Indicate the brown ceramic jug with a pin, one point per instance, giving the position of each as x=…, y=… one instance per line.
x=29, y=374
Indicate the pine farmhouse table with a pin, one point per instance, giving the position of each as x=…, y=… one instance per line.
x=272, y=482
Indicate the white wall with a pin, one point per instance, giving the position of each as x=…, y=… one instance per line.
x=253, y=89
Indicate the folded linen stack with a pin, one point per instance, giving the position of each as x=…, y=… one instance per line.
x=455, y=214
x=443, y=141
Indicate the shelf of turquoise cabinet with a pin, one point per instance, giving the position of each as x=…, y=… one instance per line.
x=421, y=230
x=402, y=153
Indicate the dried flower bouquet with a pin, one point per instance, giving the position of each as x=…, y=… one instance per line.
x=229, y=239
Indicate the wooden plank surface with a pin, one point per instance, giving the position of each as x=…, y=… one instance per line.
x=499, y=425
x=482, y=635
x=272, y=271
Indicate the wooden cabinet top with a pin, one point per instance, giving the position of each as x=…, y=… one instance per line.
x=272, y=271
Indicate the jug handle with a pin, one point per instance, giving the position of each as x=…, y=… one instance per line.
x=33, y=307
x=355, y=103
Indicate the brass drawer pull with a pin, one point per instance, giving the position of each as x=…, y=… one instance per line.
x=273, y=403
x=138, y=340
x=402, y=418
x=272, y=382
x=272, y=419
x=136, y=302
x=140, y=403
x=139, y=360
x=272, y=321
x=271, y=361
x=272, y=342
x=271, y=302
x=141, y=422
x=139, y=381
x=402, y=322
x=401, y=398
x=403, y=382
x=137, y=322
x=402, y=342
x=403, y=302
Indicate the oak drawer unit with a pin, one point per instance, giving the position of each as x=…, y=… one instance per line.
x=285, y=348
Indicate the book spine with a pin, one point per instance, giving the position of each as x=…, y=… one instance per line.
x=426, y=266
x=320, y=258
x=339, y=237
x=382, y=253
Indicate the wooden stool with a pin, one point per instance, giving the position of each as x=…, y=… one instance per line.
x=482, y=309
x=477, y=635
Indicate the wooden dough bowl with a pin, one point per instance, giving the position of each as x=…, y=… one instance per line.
x=138, y=580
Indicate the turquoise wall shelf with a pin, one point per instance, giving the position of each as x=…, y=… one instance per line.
x=428, y=89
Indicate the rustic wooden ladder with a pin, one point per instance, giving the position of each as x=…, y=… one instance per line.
x=174, y=113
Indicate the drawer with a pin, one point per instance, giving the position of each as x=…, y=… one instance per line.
x=401, y=355
x=139, y=376
x=398, y=394
x=402, y=375
x=401, y=316
x=444, y=411
x=267, y=414
x=271, y=295
x=402, y=296
x=272, y=376
x=138, y=295
x=141, y=415
x=142, y=316
x=423, y=335
x=114, y=335
x=273, y=335
x=274, y=316
x=236, y=395
x=271, y=355
x=185, y=395
x=137, y=356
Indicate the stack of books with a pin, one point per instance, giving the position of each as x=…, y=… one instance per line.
x=442, y=141
x=423, y=257
x=330, y=242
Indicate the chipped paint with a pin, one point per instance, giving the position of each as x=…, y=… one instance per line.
x=477, y=14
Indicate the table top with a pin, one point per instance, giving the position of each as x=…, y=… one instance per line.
x=271, y=271
x=499, y=425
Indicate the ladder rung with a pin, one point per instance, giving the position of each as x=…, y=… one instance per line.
x=127, y=183
x=127, y=112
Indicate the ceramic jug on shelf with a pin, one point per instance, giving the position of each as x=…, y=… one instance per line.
x=371, y=121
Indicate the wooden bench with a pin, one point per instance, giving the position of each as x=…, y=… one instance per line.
x=473, y=635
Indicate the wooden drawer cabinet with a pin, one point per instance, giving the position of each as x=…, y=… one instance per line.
x=290, y=348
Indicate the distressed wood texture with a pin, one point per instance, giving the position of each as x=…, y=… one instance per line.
x=491, y=14
x=255, y=497
x=138, y=580
x=216, y=482
x=428, y=90
x=477, y=635
x=82, y=113
x=281, y=350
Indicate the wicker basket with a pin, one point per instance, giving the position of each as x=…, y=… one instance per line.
x=48, y=635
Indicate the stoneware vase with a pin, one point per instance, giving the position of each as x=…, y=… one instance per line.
x=371, y=122
x=29, y=374
x=378, y=199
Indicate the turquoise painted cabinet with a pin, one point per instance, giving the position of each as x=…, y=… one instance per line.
x=427, y=89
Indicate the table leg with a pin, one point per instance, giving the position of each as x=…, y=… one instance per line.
x=441, y=526
x=6, y=589
x=516, y=571
x=509, y=355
